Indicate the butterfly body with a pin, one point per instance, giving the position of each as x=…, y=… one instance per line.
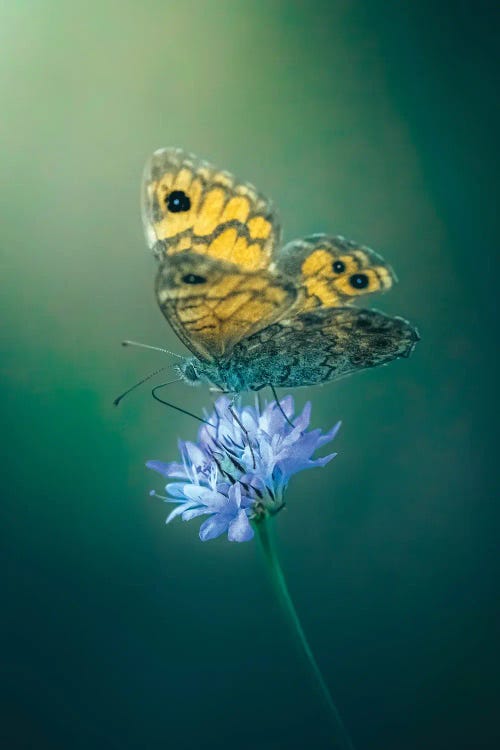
x=252, y=313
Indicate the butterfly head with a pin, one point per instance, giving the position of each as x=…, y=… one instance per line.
x=187, y=371
x=194, y=371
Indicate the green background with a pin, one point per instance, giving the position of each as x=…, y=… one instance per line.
x=375, y=120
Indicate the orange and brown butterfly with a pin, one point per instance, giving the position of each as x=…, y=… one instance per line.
x=254, y=313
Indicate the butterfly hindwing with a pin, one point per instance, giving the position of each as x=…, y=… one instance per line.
x=333, y=271
x=320, y=346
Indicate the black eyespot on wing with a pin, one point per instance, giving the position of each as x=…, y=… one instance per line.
x=359, y=281
x=193, y=278
x=338, y=266
x=177, y=201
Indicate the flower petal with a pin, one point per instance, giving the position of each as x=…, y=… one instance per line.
x=176, y=489
x=194, y=455
x=182, y=508
x=323, y=460
x=198, y=492
x=213, y=527
x=172, y=469
x=240, y=529
x=194, y=513
x=234, y=498
x=328, y=436
x=302, y=421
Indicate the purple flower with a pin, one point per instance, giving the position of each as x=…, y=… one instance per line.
x=239, y=468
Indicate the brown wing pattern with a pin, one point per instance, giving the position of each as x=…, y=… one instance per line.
x=213, y=304
x=321, y=346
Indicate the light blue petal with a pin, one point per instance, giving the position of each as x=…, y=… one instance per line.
x=221, y=414
x=240, y=529
x=329, y=435
x=194, y=454
x=193, y=513
x=272, y=420
x=179, y=511
x=302, y=421
x=172, y=469
x=215, y=501
x=213, y=527
x=249, y=420
x=234, y=499
x=176, y=489
x=288, y=406
x=197, y=492
x=324, y=459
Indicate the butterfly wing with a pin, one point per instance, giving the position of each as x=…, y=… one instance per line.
x=333, y=271
x=212, y=304
x=190, y=205
x=321, y=346
x=228, y=293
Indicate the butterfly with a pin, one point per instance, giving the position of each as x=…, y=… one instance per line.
x=254, y=313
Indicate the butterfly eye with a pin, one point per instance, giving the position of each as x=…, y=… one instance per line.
x=177, y=201
x=190, y=374
x=338, y=266
x=359, y=281
x=193, y=278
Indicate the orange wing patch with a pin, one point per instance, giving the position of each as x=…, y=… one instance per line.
x=237, y=208
x=190, y=205
x=208, y=217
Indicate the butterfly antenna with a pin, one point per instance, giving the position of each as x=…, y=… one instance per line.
x=154, y=348
x=279, y=405
x=136, y=385
x=173, y=406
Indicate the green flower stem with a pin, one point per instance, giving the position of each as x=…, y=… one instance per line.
x=265, y=534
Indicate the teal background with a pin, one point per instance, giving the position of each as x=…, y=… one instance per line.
x=375, y=120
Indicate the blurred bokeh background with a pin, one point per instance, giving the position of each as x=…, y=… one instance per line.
x=373, y=120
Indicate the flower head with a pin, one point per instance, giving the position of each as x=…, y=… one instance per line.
x=240, y=466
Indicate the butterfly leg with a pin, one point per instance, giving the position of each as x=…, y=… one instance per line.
x=258, y=402
x=173, y=406
x=279, y=405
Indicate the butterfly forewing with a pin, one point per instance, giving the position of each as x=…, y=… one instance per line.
x=190, y=205
x=212, y=305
